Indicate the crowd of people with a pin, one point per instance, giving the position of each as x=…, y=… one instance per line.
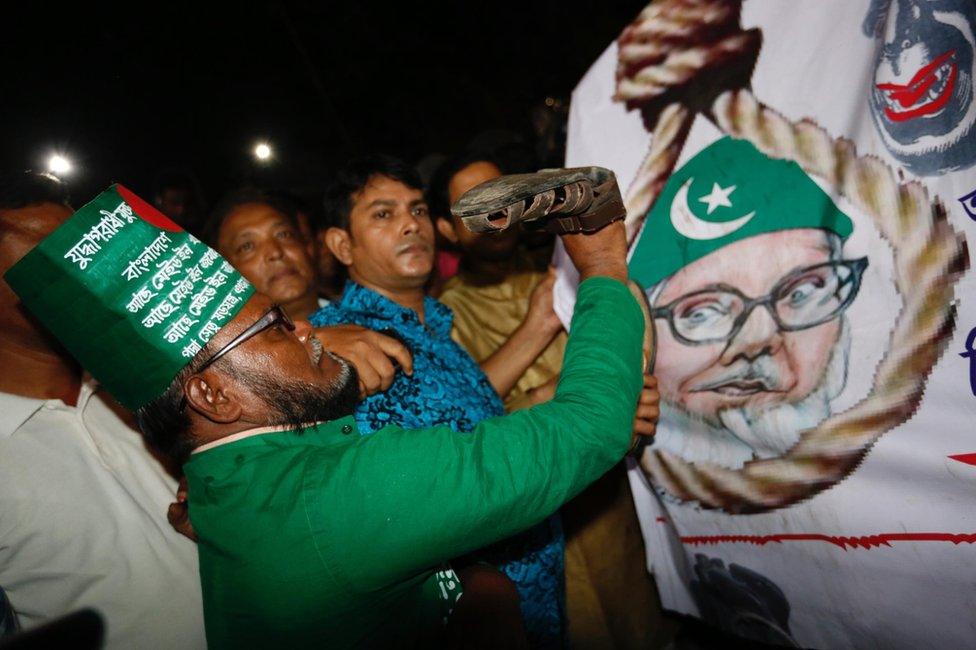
x=386, y=459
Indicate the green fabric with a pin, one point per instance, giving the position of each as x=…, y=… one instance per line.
x=751, y=194
x=332, y=539
x=129, y=293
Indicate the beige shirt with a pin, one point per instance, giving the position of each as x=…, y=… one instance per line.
x=83, y=524
x=486, y=316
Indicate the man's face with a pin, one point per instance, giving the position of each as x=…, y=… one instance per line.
x=20, y=231
x=267, y=248
x=490, y=247
x=391, y=238
x=277, y=351
x=760, y=365
x=281, y=375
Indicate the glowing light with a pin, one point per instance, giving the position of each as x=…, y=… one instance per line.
x=262, y=151
x=59, y=165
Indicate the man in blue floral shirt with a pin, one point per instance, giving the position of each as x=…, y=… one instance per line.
x=383, y=233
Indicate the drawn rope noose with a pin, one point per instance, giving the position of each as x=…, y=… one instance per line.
x=929, y=256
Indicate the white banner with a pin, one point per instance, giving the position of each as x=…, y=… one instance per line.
x=813, y=479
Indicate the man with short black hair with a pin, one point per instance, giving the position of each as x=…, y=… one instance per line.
x=384, y=234
x=494, y=290
x=258, y=233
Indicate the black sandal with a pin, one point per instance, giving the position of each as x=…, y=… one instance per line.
x=560, y=201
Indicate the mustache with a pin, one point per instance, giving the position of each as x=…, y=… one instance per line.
x=317, y=349
x=761, y=371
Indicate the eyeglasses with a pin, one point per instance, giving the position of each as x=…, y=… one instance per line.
x=800, y=300
x=272, y=318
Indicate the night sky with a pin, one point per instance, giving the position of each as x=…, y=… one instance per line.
x=126, y=92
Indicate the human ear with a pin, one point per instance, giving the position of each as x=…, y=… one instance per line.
x=446, y=229
x=338, y=241
x=211, y=400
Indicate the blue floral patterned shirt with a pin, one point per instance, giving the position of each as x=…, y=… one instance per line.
x=448, y=387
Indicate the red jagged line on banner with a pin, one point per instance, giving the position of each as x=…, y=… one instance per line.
x=863, y=541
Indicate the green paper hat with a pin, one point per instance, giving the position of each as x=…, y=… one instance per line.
x=727, y=192
x=129, y=293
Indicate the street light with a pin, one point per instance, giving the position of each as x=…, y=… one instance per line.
x=58, y=165
x=262, y=151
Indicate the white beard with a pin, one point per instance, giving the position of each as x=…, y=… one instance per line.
x=751, y=432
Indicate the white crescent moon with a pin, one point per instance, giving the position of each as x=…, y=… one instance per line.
x=686, y=223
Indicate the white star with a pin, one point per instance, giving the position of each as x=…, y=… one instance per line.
x=719, y=196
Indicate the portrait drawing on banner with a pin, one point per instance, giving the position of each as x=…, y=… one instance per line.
x=744, y=251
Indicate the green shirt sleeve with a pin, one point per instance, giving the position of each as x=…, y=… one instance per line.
x=417, y=498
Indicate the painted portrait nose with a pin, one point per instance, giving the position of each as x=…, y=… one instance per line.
x=759, y=335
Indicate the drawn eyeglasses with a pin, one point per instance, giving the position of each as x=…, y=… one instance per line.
x=802, y=299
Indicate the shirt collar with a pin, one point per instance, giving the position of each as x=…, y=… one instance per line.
x=17, y=409
x=240, y=435
x=348, y=427
x=357, y=298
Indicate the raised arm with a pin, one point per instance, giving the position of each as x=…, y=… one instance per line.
x=536, y=331
x=427, y=496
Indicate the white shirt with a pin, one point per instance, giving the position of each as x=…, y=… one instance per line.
x=83, y=524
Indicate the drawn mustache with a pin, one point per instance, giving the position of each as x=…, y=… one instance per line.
x=761, y=373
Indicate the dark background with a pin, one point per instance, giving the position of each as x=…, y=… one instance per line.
x=126, y=92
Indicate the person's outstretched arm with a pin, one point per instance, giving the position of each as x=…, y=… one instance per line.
x=429, y=495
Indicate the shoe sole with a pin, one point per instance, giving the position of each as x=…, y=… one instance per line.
x=561, y=201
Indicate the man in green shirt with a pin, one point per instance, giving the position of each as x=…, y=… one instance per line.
x=312, y=536
x=327, y=537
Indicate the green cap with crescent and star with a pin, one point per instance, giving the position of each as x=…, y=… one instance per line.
x=129, y=293
x=727, y=192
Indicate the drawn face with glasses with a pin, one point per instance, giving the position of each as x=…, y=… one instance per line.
x=805, y=298
x=755, y=322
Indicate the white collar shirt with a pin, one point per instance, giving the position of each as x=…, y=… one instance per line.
x=83, y=524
